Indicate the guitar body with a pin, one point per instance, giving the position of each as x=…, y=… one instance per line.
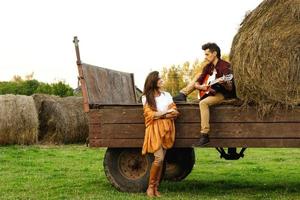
x=227, y=77
x=203, y=92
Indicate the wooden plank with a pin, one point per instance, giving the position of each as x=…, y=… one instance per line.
x=282, y=143
x=106, y=86
x=115, y=143
x=94, y=116
x=134, y=114
x=123, y=115
x=95, y=131
x=191, y=130
x=127, y=143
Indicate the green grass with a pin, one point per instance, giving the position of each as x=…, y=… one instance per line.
x=76, y=172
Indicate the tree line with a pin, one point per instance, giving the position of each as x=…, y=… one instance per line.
x=29, y=86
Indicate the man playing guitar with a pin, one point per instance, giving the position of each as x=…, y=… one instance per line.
x=219, y=72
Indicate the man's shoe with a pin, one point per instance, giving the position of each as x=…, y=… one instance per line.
x=204, y=140
x=180, y=97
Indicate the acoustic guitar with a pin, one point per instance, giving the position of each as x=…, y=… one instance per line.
x=227, y=77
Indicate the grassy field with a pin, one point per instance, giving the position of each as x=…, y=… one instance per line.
x=76, y=172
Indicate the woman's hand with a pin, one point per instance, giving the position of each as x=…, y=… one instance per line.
x=172, y=114
x=170, y=110
x=175, y=112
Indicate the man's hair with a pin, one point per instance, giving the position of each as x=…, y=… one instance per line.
x=212, y=47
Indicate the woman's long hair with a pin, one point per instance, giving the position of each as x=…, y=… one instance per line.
x=150, y=87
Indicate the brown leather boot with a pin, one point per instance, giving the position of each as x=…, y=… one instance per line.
x=152, y=180
x=156, y=192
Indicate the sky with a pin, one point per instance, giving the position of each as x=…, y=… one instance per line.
x=135, y=36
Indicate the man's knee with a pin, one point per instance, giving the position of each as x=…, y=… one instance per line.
x=202, y=103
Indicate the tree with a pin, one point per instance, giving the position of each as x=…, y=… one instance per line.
x=44, y=88
x=61, y=89
x=225, y=57
x=173, y=79
x=30, y=86
x=8, y=87
x=177, y=77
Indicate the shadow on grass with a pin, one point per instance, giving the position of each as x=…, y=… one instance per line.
x=215, y=188
x=220, y=187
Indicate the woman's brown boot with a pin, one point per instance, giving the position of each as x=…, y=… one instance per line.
x=156, y=192
x=152, y=180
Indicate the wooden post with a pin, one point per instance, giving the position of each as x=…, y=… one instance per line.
x=80, y=77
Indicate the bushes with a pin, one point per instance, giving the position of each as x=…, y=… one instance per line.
x=29, y=87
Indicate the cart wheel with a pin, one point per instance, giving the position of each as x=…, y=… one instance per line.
x=127, y=169
x=179, y=163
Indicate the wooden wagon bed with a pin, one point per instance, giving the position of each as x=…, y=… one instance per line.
x=231, y=126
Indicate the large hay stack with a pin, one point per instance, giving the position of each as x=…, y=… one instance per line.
x=62, y=120
x=18, y=120
x=265, y=54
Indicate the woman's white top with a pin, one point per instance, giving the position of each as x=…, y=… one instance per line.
x=162, y=101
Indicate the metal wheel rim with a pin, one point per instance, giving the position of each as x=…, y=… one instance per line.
x=132, y=165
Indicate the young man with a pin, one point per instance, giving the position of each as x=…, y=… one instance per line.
x=214, y=68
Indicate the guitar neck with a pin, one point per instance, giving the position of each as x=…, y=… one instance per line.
x=214, y=81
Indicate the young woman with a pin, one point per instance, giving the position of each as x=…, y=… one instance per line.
x=159, y=112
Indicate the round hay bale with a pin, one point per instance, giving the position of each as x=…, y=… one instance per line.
x=39, y=98
x=62, y=120
x=18, y=120
x=265, y=55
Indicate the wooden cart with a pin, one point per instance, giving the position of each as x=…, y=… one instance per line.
x=116, y=121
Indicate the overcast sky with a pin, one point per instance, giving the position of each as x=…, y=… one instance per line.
x=128, y=35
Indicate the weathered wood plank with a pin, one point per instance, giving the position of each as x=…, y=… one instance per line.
x=123, y=115
x=94, y=116
x=191, y=130
x=106, y=86
x=232, y=142
x=134, y=114
x=95, y=131
x=282, y=143
x=129, y=143
x=115, y=143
